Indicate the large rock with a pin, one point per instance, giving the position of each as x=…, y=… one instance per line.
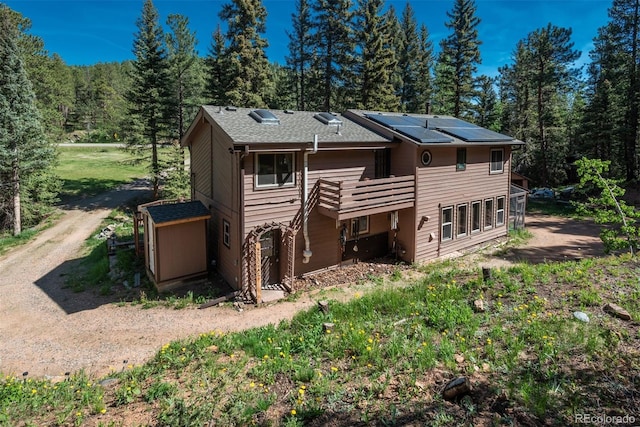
x=456, y=388
x=616, y=311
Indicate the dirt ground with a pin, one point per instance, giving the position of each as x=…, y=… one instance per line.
x=48, y=330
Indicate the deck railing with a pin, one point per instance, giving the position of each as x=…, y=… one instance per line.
x=349, y=199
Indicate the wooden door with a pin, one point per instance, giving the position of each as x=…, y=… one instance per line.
x=269, y=243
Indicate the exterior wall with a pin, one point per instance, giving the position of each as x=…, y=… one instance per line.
x=180, y=250
x=403, y=162
x=215, y=183
x=440, y=185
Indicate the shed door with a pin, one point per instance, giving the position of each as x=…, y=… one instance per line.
x=269, y=257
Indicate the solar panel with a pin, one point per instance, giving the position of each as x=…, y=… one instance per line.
x=476, y=134
x=448, y=122
x=423, y=135
x=390, y=121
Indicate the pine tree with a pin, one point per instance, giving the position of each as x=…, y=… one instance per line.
x=220, y=75
x=148, y=94
x=25, y=153
x=485, y=109
x=377, y=58
x=334, y=54
x=300, y=50
x=459, y=58
x=245, y=52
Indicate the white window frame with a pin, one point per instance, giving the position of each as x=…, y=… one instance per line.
x=478, y=204
x=291, y=180
x=358, y=222
x=500, y=211
x=496, y=166
x=465, y=220
x=488, y=214
x=226, y=233
x=446, y=225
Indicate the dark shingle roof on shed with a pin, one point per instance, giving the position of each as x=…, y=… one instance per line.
x=174, y=212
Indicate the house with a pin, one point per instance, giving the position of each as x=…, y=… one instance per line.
x=292, y=192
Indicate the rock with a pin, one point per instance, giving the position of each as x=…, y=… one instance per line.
x=212, y=348
x=108, y=381
x=478, y=306
x=328, y=327
x=459, y=358
x=616, y=311
x=456, y=388
x=583, y=317
x=324, y=306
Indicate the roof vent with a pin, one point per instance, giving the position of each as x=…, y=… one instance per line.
x=265, y=117
x=289, y=111
x=328, y=119
x=231, y=108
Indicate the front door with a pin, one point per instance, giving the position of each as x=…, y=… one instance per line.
x=269, y=243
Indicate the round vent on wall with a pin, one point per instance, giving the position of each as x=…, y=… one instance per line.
x=426, y=157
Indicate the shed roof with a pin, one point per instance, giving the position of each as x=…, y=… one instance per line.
x=288, y=127
x=172, y=213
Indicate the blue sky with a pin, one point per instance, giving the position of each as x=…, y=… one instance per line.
x=85, y=32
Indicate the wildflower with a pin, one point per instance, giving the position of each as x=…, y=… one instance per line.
x=293, y=412
x=489, y=341
x=252, y=384
x=328, y=331
x=103, y=410
x=34, y=391
x=265, y=357
x=334, y=369
x=301, y=392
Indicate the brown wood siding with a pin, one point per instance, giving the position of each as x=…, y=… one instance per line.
x=181, y=250
x=440, y=185
x=201, y=161
x=324, y=244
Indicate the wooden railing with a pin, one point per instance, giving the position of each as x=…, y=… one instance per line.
x=349, y=199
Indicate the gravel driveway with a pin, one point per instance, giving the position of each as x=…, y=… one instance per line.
x=47, y=330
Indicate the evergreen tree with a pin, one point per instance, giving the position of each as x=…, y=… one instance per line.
x=300, y=51
x=245, y=52
x=485, y=109
x=333, y=54
x=377, y=58
x=25, y=154
x=220, y=75
x=459, y=58
x=148, y=94
x=407, y=67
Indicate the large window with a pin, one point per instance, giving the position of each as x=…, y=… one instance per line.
x=500, y=211
x=447, y=223
x=497, y=160
x=275, y=170
x=476, y=215
x=359, y=226
x=461, y=159
x=488, y=214
x=462, y=220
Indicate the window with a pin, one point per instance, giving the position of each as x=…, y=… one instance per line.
x=500, y=211
x=462, y=220
x=461, y=159
x=359, y=226
x=488, y=213
x=497, y=160
x=275, y=170
x=226, y=233
x=447, y=224
x=476, y=210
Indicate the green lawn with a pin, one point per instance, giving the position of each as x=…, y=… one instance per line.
x=88, y=171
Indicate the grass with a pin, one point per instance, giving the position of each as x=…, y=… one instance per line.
x=88, y=171
x=386, y=358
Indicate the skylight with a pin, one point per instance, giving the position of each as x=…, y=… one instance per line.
x=265, y=117
x=328, y=119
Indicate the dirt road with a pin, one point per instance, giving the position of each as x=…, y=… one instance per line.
x=47, y=330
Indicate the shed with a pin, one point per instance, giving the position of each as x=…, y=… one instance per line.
x=175, y=246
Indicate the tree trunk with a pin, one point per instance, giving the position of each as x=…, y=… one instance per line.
x=15, y=179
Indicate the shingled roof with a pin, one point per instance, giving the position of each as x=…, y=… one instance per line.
x=166, y=214
x=291, y=127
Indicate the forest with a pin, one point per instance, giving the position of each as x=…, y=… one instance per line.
x=341, y=54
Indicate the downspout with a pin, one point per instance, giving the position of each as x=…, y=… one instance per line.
x=306, y=253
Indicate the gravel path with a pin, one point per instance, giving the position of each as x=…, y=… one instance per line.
x=47, y=330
